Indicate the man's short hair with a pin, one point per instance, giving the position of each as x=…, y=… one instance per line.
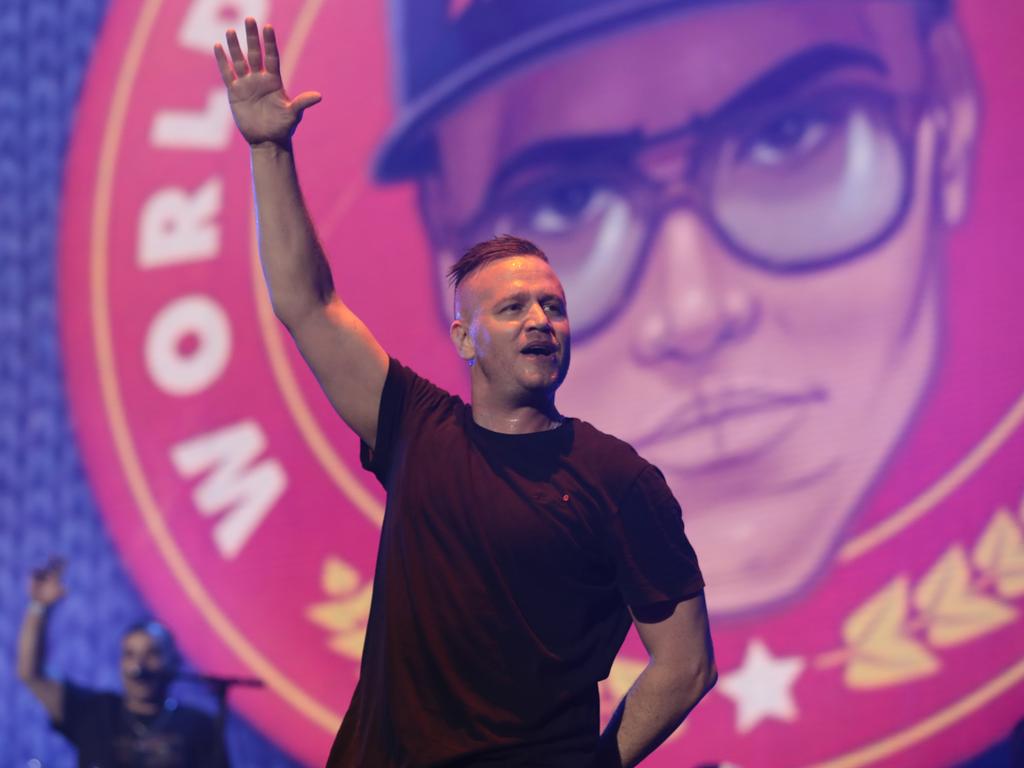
x=161, y=634
x=500, y=247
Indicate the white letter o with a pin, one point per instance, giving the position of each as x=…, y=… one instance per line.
x=180, y=372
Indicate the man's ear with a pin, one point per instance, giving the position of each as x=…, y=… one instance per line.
x=958, y=115
x=462, y=340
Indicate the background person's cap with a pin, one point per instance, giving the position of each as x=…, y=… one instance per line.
x=445, y=50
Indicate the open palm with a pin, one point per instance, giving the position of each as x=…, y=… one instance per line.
x=259, y=103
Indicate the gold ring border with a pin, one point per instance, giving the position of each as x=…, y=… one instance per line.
x=931, y=724
x=940, y=489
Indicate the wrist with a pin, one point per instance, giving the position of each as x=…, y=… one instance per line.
x=271, y=148
x=37, y=608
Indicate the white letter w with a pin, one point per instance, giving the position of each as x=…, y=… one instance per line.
x=247, y=492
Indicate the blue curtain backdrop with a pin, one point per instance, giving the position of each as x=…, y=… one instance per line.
x=46, y=506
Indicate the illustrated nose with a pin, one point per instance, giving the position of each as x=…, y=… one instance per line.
x=693, y=306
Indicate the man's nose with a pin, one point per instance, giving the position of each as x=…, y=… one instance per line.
x=694, y=307
x=536, y=317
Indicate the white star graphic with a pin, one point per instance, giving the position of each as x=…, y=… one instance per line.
x=762, y=687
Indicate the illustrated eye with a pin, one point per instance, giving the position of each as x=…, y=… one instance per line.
x=563, y=207
x=789, y=137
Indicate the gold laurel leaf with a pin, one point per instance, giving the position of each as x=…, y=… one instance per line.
x=882, y=652
x=904, y=660
x=331, y=615
x=880, y=617
x=953, y=611
x=338, y=577
x=342, y=615
x=349, y=644
x=999, y=554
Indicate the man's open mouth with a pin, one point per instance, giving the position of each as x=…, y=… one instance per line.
x=539, y=349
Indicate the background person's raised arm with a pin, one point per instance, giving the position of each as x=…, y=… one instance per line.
x=45, y=590
x=344, y=356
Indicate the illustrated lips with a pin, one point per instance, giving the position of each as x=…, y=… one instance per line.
x=711, y=408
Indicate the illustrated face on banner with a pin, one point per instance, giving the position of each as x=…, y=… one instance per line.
x=747, y=206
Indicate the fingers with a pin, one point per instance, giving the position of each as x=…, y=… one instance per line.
x=235, y=51
x=45, y=585
x=252, y=44
x=271, y=59
x=227, y=74
x=54, y=568
x=234, y=63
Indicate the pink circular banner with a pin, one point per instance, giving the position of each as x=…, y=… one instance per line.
x=852, y=479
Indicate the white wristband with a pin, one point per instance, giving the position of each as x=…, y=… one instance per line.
x=37, y=608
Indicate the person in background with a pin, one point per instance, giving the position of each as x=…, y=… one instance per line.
x=141, y=727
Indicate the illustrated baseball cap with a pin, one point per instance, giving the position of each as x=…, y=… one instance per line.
x=445, y=50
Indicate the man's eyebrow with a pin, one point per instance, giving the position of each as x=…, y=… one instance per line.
x=503, y=298
x=789, y=75
x=524, y=296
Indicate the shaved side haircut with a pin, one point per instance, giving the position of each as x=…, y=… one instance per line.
x=500, y=247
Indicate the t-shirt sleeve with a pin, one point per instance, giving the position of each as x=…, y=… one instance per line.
x=405, y=401
x=654, y=561
x=81, y=709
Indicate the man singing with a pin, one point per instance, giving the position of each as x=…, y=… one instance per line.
x=140, y=727
x=517, y=543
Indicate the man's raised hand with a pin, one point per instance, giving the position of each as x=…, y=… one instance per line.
x=340, y=350
x=45, y=585
x=259, y=104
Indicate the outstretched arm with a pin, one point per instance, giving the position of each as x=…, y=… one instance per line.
x=45, y=589
x=680, y=671
x=347, y=360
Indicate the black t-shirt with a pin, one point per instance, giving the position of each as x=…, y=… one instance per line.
x=106, y=735
x=505, y=566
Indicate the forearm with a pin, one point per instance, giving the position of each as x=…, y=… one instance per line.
x=31, y=653
x=654, y=707
x=31, y=639
x=294, y=266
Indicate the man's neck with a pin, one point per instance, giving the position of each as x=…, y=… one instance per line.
x=518, y=420
x=144, y=707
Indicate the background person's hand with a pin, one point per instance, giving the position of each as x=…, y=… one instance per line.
x=46, y=586
x=259, y=104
